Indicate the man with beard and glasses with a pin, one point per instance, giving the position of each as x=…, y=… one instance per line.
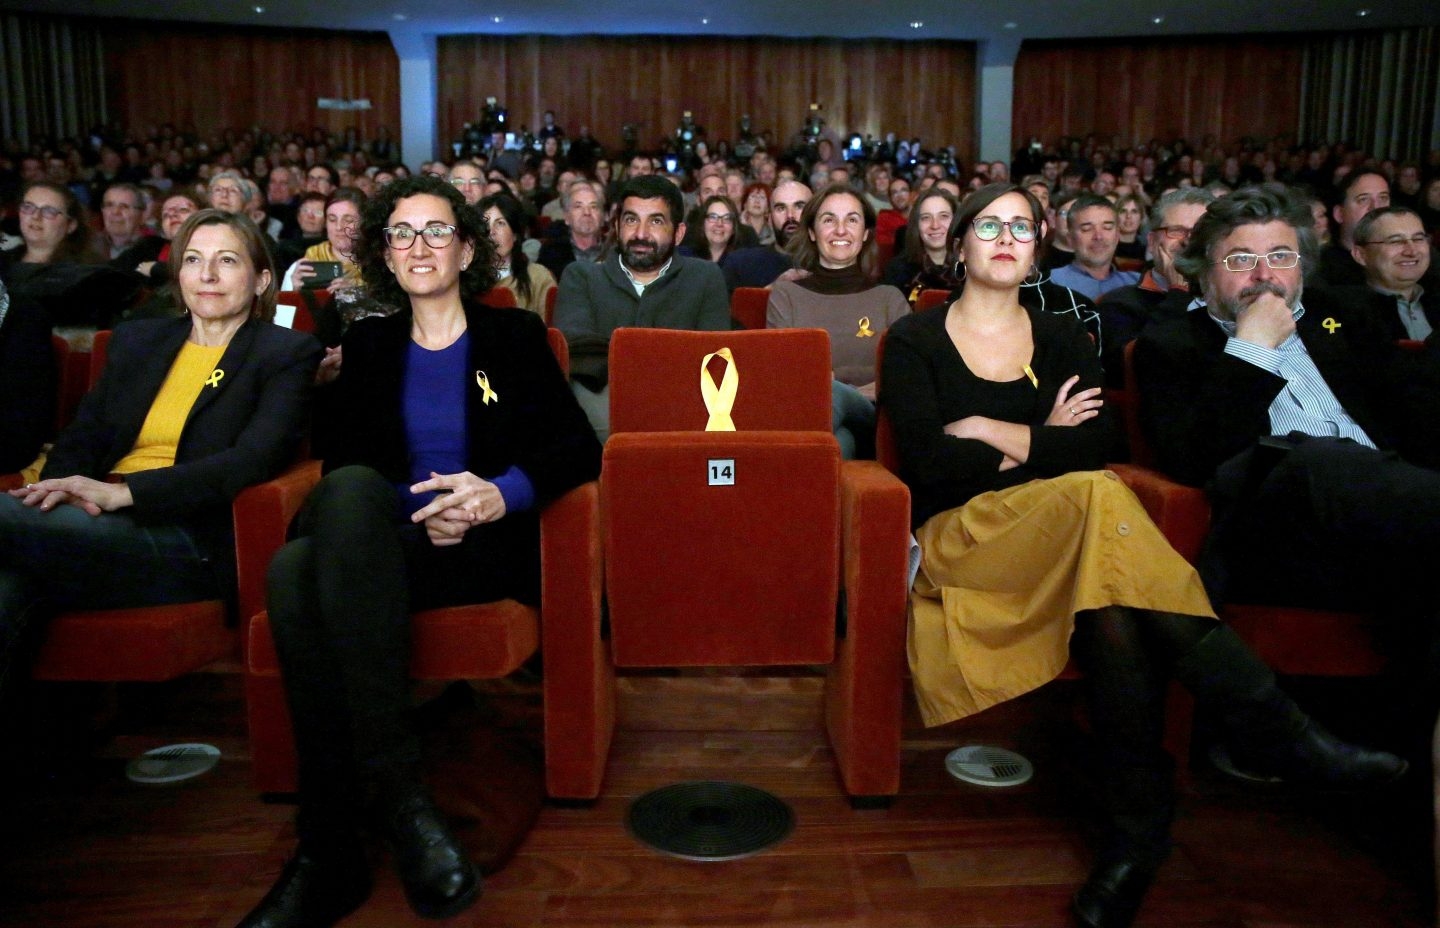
x=762, y=265
x=1312, y=432
x=643, y=283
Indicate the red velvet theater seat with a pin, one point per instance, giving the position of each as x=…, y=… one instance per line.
x=731, y=548
x=154, y=643
x=748, y=305
x=455, y=643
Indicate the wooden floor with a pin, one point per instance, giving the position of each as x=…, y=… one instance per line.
x=82, y=847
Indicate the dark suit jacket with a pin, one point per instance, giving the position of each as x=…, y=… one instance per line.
x=535, y=422
x=240, y=432
x=1201, y=408
x=29, y=383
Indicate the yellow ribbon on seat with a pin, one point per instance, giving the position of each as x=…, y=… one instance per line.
x=865, y=330
x=719, y=400
x=487, y=395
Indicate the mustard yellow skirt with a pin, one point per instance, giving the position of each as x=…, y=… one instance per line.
x=1002, y=577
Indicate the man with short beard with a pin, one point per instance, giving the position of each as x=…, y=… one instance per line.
x=1313, y=434
x=643, y=283
x=762, y=265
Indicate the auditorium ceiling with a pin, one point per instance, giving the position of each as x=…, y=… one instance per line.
x=1004, y=24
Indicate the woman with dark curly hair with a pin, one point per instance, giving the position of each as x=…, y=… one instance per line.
x=450, y=426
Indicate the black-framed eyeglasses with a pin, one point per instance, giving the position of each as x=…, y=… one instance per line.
x=1398, y=241
x=1021, y=230
x=437, y=235
x=1275, y=260
x=719, y=217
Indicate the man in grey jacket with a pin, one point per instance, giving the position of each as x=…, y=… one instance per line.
x=644, y=283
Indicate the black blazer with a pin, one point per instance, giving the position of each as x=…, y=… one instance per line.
x=924, y=384
x=535, y=422
x=240, y=432
x=1201, y=408
x=29, y=382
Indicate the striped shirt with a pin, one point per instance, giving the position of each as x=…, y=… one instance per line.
x=1306, y=405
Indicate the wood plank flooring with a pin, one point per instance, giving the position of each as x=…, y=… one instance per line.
x=86, y=848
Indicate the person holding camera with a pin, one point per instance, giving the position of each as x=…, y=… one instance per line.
x=330, y=265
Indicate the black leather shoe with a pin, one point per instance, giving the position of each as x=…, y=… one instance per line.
x=1315, y=757
x=1112, y=895
x=313, y=892
x=438, y=876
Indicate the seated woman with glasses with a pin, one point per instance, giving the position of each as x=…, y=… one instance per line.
x=1026, y=542
x=54, y=230
x=720, y=227
x=450, y=425
x=840, y=295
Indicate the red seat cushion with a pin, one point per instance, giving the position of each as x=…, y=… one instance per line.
x=150, y=643
x=454, y=643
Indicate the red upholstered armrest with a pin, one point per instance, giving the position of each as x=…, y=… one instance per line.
x=875, y=523
x=579, y=678
x=571, y=568
x=1182, y=513
x=10, y=482
x=866, y=684
x=262, y=516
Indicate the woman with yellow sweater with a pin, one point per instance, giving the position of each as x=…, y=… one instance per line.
x=133, y=505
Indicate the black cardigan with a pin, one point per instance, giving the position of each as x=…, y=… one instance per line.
x=535, y=422
x=925, y=385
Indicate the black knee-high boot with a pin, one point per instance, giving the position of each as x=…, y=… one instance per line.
x=1125, y=694
x=1267, y=732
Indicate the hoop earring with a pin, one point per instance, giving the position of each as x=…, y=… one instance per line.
x=1034, y=272
x=959, y=272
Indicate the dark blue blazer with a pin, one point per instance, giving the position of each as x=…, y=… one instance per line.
x=242, y=431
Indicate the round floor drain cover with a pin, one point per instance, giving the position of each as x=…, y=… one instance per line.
x=173, y=764
x=710, y=820
x=988, y=766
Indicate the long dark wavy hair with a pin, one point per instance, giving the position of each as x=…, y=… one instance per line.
x=469, y=227
x=515, y=217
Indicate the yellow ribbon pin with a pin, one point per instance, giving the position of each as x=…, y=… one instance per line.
x=486, y=394
x=719, y=400
x=1330, y=325
x=865, y=330
x=215, y=377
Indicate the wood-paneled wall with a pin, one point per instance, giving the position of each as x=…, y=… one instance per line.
x=216, y=78
x=1141, y=89
x=910, y=88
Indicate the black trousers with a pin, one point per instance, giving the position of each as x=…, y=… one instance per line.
x=1336, y=525
x=340, y=596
